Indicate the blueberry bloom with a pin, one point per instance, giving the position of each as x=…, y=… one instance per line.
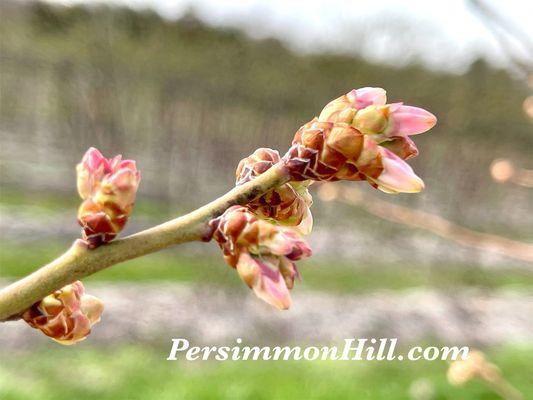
x=359, y=137
x=262, y=253
x=108, y=188
x=67, y=315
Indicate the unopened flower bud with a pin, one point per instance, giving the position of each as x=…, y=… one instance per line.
x=372, y=119
x=474, y=366
x=262, y=253
x=67, y=315
x=343, y=109
x=397, y=176
x=263, y=276
x=409, y=120
x=108, y=187
x=359, y=137
x=90, y=172
x=288, y=204
x=325, y=151
x=366, y=110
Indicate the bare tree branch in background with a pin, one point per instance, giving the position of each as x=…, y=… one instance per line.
x=429, y=222
x=502, y=30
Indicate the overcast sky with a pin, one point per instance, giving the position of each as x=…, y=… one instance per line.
x=446, y=34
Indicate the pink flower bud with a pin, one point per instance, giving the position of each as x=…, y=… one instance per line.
x=262, y=253
x=90, y=172
x=408, y=120
x=67, y=315
x=380, y=121
x=119, y=188
x=359, y=137
x=397, y=176
x=367, y=96
x=263, y=276
x=109, y=187
x=343, y=109
x=366, y=110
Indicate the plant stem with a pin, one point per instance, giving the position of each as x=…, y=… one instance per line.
x=79, y=261
x=504, y=389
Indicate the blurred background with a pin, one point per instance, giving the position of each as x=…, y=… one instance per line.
x=188, y=88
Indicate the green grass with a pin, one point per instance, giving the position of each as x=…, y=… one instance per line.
x=136, y=372
x=50, y=202
x=47, y=200
x=176, y=265
x=357, y=277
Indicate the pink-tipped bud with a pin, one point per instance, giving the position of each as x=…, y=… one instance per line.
x=67, y=315
x=90, y=171
x=263, y=276
x=359, y=137
x=263, y=253
x=408, y=120
x=120, y=187
x=367, y=96
x=366, y=110
x=108, y=187
x=397, y=176
x=344, y=108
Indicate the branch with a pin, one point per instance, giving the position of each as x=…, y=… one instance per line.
x=79, y=261
x=249, y=232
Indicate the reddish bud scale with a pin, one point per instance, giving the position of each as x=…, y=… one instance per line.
x=402, y=146
x=67, y=315
x=288, y=204
x=327, y=151
x=101, y=222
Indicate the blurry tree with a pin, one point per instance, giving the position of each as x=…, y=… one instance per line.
x=188, y=101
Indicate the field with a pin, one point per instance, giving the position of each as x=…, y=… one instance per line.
x=135, y=372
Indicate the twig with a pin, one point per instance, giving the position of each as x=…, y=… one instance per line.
x=504, y=389
x=79, y=262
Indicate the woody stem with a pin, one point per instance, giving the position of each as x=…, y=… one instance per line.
x=79, y=261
